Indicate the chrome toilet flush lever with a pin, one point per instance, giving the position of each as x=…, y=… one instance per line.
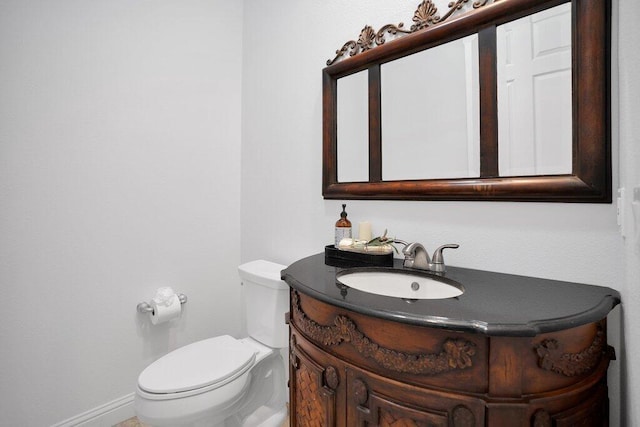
x=416, y=256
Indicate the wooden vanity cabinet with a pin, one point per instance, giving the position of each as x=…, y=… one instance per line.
x=349, y=369
x=326, y=391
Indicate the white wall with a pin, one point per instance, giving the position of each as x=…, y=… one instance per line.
x=119, y=172
x=626, y=121
x=285, y=218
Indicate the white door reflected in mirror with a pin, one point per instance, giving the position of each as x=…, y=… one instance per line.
x=534, y=94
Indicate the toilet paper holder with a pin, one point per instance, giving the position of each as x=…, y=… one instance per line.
x=145, y=307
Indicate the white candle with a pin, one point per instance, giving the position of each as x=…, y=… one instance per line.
x=364, y=231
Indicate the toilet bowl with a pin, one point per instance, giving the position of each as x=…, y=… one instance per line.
x=224, y=381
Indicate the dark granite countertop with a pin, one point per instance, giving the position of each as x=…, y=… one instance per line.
x=493, y=304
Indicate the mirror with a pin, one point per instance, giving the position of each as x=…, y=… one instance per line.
x=441, y=138
x=353, y=125
x=507, y=101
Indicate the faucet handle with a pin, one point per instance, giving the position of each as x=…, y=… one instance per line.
x=438, y=260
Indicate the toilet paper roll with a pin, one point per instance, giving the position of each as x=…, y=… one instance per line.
x=163, y=312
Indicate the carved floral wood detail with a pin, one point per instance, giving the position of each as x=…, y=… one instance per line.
x=456, y=354
x=368, y=39
x=426, y=15
x=551, y=358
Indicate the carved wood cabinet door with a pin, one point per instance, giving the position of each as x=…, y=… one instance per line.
x=376, y=401
x=316, y=386
x=593, y=410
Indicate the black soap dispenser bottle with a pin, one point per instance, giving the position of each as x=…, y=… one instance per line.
x=343, y=226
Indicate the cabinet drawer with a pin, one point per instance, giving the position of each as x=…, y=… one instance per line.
x=410, y=354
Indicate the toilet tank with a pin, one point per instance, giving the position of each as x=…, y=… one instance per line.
x=266, y=299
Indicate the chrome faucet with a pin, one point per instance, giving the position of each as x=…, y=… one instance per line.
x=416, y=256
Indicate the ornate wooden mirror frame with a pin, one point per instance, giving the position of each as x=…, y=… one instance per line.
x=590, y=180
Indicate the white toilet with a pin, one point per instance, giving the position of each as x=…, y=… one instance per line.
x=224, y=381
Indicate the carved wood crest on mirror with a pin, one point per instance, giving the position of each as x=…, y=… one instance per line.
x=481, y=100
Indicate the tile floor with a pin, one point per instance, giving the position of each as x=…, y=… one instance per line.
x=133, y=422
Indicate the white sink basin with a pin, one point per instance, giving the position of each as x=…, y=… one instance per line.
x=399, y=284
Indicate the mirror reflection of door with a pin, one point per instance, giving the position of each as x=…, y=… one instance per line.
x=534, y=94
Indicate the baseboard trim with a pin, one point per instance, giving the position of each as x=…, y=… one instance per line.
x=106, y=415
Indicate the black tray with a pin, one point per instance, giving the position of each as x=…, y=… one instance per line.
x=337, y=258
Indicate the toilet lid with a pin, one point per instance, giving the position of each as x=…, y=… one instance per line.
x=201, y=364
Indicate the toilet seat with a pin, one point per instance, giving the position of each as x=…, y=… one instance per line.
x=196, y=368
